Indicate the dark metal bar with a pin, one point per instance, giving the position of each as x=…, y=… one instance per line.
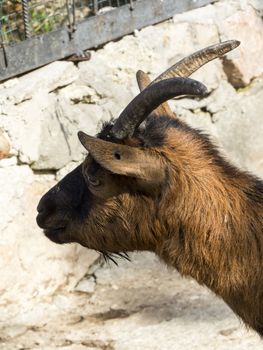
x=25, y=10
x=91, y=33
x=3, y=61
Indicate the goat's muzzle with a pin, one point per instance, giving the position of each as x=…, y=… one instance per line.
x=60, y=206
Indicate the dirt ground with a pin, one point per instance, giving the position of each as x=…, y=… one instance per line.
x=137, y=305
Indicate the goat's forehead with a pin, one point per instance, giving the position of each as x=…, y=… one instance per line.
x=104, y=133
x=157, y=130
x=154, y=134
x=151, y=133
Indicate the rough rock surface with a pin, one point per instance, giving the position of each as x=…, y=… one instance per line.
x=4, y=145
x=45, y=301
x=138, y=305
x=233, y=19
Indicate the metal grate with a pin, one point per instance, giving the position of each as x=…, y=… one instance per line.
x=21, y=19
x=59, y=29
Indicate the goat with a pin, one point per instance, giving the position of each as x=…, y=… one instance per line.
x=151, y=182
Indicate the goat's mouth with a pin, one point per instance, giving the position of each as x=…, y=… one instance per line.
x=57, y=235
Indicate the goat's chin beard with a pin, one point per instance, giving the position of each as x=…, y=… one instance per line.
x=61, y=236
x=114, y=256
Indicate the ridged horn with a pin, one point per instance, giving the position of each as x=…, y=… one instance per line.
x=149, y=99
x=190, y=64
x=143, y=81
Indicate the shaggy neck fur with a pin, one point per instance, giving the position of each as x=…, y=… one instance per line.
x=213, y=215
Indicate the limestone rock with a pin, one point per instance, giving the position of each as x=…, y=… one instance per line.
x=79, y=94
x=6, y=162
x=4, y=146
x=86, y=285
x=257, y=5
x=13, y=183
x=47, y=78
x=247, y=27
x=43, y=130
x=233, y=20
x=23, y=123
x=240, y=128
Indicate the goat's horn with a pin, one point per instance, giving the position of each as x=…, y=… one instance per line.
x=190, y=64
x=143, y=80
x=149, y=99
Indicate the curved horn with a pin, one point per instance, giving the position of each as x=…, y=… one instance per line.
x=143, y=81
x=149, y=99
x=185, y=68
x=190, y=64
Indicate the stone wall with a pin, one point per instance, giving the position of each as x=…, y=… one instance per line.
x=41, y=112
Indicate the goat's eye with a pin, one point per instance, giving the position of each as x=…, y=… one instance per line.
x=93, y=181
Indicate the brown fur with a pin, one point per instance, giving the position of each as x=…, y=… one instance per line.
x=205, y=218
x=217, y=237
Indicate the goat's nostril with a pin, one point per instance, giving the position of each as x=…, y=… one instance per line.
x=44, y=209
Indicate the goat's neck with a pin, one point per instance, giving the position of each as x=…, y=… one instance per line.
x=215, y=227
x=214, y=222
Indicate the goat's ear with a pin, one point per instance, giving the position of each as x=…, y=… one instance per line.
x=123, y=159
